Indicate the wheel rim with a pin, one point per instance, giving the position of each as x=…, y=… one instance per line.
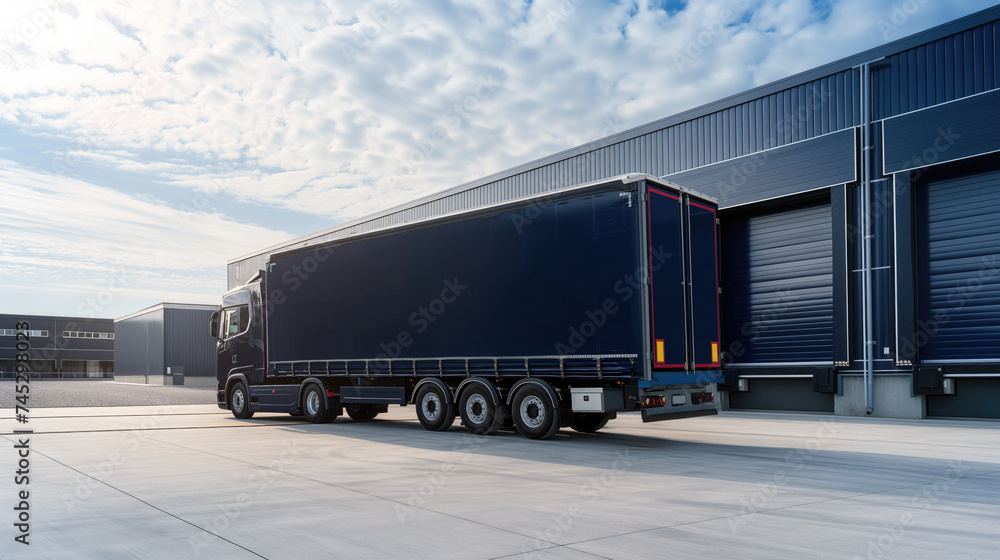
x=238, y=401
x=476, y=408
x=312, y=403
x=430, y=405
x=532, y=411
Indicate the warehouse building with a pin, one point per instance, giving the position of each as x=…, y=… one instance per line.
x=57, y=347
x=860, y=224
x=166, y=344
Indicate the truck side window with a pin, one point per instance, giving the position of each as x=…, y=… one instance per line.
x=236, y=319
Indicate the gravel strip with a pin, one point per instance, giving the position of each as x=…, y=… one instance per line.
x=47, y=393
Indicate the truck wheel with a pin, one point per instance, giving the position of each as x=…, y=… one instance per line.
x=534, y=415
x=361, y=411
x=314, y=406
x=239, y=401
x=479, y=414
x=433, y=409
x=588, y=422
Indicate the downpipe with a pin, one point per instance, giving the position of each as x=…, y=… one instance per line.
x=866, y=231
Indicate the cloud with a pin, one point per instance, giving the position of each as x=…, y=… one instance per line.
x=67, y=235
x=337, y=109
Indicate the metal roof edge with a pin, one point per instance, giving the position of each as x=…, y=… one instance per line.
x=30, y=317
x=169, y=305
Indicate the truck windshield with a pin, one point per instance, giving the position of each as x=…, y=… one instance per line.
x=236, y=320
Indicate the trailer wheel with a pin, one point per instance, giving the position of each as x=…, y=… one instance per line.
x=433, y=409
x=588, y=422
x=534, y=415
x=479, y=414
x=361, y=411
x=314, y=406
x=239, y=401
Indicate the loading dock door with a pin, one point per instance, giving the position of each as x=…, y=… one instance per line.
x=778, y=285
x=958, y=267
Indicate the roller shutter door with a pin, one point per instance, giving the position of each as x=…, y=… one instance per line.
x=778, y=286
x=958, y=267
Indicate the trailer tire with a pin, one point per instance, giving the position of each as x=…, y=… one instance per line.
x=588, y=422
x=433, y=409
x=361, y=411
x=480, y=415
x=239, y=401
x=534, y=415
x=314, y=406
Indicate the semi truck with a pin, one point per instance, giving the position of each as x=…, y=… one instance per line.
x=553, y=310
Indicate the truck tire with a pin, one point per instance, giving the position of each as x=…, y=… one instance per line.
x=480, y=415
x=534, y=415
x=588, y=422
x=361, y=411
x=433, y=409
x=314, y=406
x=239, y=401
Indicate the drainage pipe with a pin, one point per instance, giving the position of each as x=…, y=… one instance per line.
x=866, y=232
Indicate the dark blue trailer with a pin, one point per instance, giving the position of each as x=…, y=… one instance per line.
x=554, y=310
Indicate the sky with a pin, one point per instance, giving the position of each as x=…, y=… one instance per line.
x=143, y=145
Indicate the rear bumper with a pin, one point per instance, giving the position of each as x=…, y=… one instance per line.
x=665, y=413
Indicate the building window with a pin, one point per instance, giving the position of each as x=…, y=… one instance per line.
x=81, y=334
x=13, y=332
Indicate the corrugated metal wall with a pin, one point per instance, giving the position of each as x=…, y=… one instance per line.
x=950, y=68
x=187, y=341
x=819, y=162
x=948, y=132
x=139, y=344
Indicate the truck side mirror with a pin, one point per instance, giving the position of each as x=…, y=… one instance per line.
x=215, y=325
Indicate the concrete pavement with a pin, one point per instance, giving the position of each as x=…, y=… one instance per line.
x=190, y=481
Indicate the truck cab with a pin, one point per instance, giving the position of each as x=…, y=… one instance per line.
x=241, y=349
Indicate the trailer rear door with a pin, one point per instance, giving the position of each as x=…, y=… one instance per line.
x=668, y=313
x=684, y=284
x=704, y=287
